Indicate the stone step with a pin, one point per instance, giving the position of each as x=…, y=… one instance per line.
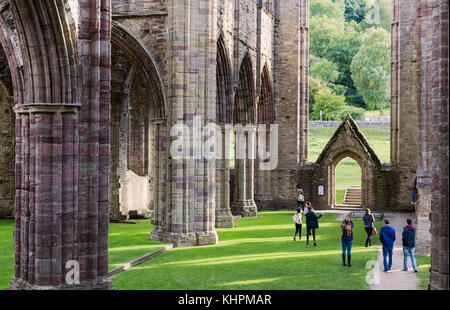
x=352, y=196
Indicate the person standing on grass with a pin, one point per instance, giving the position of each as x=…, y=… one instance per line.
x=298, y=223
x=387, y=238
x=308, y=206
x=300, y=197
x=368, y=219
x=409, y=244
x=347, y=240
x=311, y=224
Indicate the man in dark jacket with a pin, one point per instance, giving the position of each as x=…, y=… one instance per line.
x=387, y=238
x=409, y=244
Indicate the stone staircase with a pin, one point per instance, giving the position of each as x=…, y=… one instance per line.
x=352, y=196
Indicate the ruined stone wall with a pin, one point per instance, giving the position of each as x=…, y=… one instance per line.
x=7, y=123
x=147, y=21
x=405, y=137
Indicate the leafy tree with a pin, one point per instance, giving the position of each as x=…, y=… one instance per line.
x=314, y=87
x=327, y=8
x=371, y=68
x=325, y=70
x=355, y=10
x=327, y=102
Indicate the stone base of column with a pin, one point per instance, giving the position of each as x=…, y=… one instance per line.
x=244, y=208
x=20, y=284
x=438, y=281
x=423, y=236
x=265, y=201
x=180, y=240
x=224, y=218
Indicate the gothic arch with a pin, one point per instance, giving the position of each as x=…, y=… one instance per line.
x=266, y=109
x=224, y=104
x=48, y=50
x=137, y=53
x=245, y=93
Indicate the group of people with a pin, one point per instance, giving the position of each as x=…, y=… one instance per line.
x=387, y=238
x=386, y=235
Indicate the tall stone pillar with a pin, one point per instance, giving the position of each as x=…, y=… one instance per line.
x=244, y=203
x=440, y=146
x=47, y=226
x=263, y=180
x=191, y=92
x=291, y=95
x=224, y=218
x=159, y=218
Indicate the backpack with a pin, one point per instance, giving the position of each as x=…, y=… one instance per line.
x=300, y=197
x=347, y=230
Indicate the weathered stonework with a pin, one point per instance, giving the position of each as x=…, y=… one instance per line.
x=95, y=107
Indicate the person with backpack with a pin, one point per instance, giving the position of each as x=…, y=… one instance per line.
x=368, y=219
x=311, y=224
x=298, y=223
x=347, y=240
x=300, y=197
x=409, y=244
x=387, y=238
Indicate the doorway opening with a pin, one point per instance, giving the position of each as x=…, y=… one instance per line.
x=348, y=183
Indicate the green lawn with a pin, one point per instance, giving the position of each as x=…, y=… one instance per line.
x=379, y=140
x=126, y=242
x=372, y=113
x=129, y=241
x=6, y=253
x=258, y=254
x=423, y=266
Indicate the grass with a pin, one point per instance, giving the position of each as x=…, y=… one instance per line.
x=6, y=253
x=374, y=113
x=126, y=242
x=423, y=266
x=379, y=140
x=258, y=254
x=130, y=241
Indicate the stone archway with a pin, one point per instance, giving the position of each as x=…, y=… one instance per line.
x=138, y=110
x=360, y=161
x=318, y=179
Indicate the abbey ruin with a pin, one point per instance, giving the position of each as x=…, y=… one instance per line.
x=91, y=89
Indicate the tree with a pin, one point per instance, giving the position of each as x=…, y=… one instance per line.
x=325, y=70
x=371, y=68
x=327, y=102
x=327, y=8
x=355, y=10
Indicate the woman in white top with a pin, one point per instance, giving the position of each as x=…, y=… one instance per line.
x=298, y=223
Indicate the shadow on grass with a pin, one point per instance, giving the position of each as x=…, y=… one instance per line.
x=251, y=257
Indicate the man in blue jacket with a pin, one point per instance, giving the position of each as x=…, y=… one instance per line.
x=409, y=243
x=387, y=238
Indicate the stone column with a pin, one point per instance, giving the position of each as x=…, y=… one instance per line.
x=159, y=218
x=291, y=95
x=191, y=92
x=263, y=180
x=244, y=203
x=224, y=218
x=46, y=208
x=439, y=146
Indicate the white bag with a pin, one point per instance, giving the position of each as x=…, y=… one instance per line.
x=301, y=197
